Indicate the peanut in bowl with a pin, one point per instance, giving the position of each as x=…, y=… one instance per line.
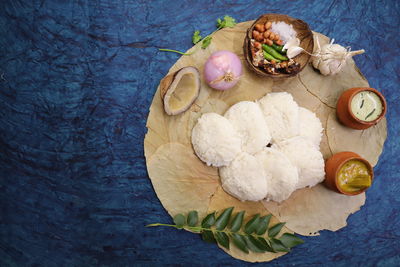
x=263, y=45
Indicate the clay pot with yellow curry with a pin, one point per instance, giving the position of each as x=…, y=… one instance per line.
x=348, y=173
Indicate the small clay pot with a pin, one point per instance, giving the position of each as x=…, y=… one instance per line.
x=333, y=165
x=346, y=116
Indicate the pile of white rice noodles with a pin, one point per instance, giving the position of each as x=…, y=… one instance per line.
x=264, y=150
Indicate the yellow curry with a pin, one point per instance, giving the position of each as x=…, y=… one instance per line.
x=354, y=176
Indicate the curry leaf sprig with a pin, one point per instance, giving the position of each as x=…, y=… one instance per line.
x=255, y=235
x=226, y=22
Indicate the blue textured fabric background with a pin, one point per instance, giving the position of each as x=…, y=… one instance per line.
x=76, y=82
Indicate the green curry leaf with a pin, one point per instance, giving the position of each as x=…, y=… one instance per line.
x=252, y=236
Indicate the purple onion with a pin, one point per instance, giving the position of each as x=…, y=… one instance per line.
x=222, y=70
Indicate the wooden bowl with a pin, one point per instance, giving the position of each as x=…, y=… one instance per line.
x=346, y=116
x=303, y=33
x=333, y=165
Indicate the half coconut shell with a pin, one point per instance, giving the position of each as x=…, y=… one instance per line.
x=180, y=89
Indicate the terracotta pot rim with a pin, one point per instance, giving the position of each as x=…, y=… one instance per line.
x=382, y=98
x=355, y=157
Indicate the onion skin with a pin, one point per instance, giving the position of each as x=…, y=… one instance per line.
x=222, y=70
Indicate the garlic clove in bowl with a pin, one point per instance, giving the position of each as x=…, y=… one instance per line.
x=293, y=48
x=294, y=51
x=291, y=43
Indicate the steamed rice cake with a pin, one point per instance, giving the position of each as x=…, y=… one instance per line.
x=310, y=126
x=247, y=118
x=306, y=157
x=281, y=113
x=245, y=178
x=215, y=141
x=283, y=177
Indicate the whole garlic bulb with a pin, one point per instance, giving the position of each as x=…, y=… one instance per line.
x=331, y=58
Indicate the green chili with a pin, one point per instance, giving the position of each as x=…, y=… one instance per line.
x=279, y=48
x=269, y=57
x=273, y=52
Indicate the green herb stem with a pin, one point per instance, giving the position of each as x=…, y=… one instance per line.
x=226, y=22
x=176, y=51
x=199, y=228
x=161, y=224
x=372, y=112
x=362, y=103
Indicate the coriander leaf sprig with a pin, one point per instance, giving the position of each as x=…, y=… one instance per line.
x=226, y=22
x=196, y=37
x=255, y=235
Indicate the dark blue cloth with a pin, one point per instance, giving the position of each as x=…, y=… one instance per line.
x=76, y=81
